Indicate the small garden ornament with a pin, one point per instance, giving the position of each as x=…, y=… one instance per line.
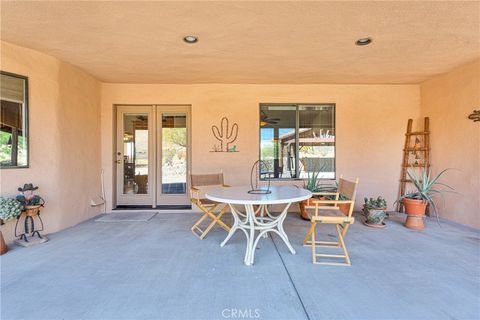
x=32, y=204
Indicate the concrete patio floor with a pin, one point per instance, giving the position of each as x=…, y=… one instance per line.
x=159, y=270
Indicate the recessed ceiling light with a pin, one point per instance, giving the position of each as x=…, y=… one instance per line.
x=363, y=41
x=190, y=39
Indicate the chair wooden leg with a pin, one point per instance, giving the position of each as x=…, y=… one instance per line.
x=196, y=229
x=342, y=244
x=306, y=241
x=220, y=222
x=215, y=220
x=331, y=244
x=313, y=243
x=345, y=228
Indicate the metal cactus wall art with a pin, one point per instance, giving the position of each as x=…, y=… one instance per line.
x=226, y=135
x=475, y=116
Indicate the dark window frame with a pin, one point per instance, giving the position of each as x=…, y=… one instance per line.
x=297, y=124
x=27, y=117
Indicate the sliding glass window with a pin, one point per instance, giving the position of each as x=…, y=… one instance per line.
x=296, y=139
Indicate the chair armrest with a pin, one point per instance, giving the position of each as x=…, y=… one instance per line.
x=335, y=220
x=336, y=194
x=317, y=202
x=194, y=193
x=325, y=193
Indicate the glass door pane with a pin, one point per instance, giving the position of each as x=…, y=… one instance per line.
x=135, y=154
x=174, y=153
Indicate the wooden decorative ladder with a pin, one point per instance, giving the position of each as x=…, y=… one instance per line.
x=417, y=145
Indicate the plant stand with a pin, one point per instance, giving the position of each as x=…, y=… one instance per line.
x=29, y=214
x=415, y=222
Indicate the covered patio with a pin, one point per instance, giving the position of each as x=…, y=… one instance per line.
x=158, y=270
x=201, y=159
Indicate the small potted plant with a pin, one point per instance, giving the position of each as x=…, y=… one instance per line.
x=415, y=202
x=375, y=211
x=9, y=210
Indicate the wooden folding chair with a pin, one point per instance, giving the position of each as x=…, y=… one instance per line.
x=212, y=210
x=336, y=217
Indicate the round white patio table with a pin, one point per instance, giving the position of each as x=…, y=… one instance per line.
x=261, y=219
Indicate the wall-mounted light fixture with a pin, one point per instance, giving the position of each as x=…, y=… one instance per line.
x=475, y=116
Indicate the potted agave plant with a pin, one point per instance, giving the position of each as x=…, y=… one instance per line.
x=416, y=202
x=375, y=211
x=312, y=184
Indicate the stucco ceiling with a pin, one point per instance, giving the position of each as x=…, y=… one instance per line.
x=250, y=42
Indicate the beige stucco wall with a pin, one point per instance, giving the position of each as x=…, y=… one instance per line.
x=71, y=132
x=64, y=124
x=371, y=121
x=455, y=140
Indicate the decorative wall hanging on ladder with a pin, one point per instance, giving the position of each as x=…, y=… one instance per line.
x=226, y=135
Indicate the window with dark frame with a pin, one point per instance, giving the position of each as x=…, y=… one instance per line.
x=13, y=121
x=298, y=139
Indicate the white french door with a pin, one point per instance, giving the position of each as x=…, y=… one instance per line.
x=153, y=155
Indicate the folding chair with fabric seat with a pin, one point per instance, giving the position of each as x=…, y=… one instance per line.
x=212, y=210
x=341, y=220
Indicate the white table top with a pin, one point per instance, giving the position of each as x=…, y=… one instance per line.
x=240, y=195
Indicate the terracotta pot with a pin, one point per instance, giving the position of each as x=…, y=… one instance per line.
x=3, y=245
x=303, y=211
x=415, y=210
x=345, y=208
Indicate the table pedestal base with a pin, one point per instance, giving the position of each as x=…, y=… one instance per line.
x=250, y=223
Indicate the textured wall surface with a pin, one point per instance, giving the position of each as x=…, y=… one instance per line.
x=72, y=127
x=455, y=140
x=370, y=120
x=281, y=42
x=64, y=124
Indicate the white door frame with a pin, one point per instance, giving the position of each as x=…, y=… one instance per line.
x=135, y=199
x=154, y=196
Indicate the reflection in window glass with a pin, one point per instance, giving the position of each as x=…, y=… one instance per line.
x=135, y=154
x=317, y=140
x=13, y=121
x=174, y=153
x=296, y=140
x=277, y=140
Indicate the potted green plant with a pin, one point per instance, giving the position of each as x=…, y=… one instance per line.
x=9, y=210
x=312, y=184
x=375, y=211
x=415, y=202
